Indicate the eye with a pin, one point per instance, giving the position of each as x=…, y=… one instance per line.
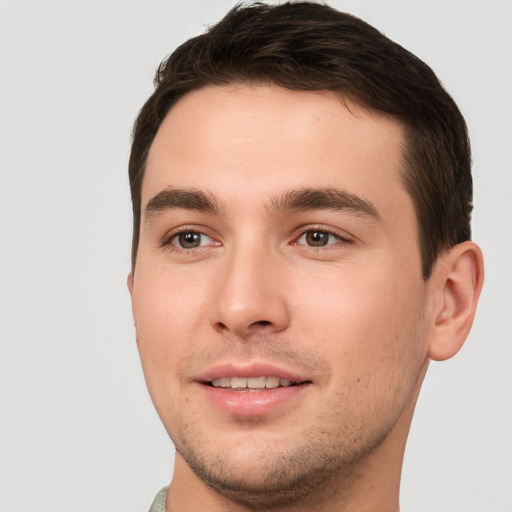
x=318, y=238
x=190, y=240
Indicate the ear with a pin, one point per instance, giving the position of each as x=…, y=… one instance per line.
x=129, y=283
x=457, y=279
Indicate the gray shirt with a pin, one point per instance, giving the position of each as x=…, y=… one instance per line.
x=158, y=504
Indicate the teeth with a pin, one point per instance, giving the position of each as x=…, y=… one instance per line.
x=273, y=382
x=238, y=382
x=256, y=382
x=270, y=382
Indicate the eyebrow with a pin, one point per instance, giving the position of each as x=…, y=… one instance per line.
x=306, y=199
x=188, y=199
x=324, y=199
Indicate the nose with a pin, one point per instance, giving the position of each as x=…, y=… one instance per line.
x=251, y=294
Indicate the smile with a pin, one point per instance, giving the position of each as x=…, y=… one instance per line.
x=251, y=383
x=253, y=389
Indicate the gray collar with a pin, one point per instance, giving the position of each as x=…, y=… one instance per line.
x=158, y=504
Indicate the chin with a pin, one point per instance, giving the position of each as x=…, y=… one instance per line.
x=269, y=477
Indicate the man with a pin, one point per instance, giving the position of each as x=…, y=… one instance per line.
x=302, y=194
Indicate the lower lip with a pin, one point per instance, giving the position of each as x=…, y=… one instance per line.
x=252, y=403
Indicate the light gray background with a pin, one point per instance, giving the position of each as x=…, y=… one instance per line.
x=78, y=431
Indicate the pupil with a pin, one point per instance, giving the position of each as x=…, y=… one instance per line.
x=189, y=240
x=317, y=238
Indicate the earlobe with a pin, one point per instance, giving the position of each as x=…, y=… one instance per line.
x=129, y=283
x=458, y=279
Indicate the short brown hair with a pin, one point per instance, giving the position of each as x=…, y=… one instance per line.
x=311, y=47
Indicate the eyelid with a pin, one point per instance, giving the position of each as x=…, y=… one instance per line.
x=172, y=234
x=343, y=236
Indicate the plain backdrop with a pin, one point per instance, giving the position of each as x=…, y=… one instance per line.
x=78, y=430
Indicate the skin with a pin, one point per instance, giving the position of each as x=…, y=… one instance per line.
x=354, y=318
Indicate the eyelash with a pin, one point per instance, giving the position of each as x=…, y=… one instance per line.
x=169, y=240
x=321, y=229
x=171, y=237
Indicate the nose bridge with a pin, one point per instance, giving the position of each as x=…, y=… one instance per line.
x=250, y=294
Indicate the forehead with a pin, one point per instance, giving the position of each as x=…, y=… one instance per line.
x=245, y=143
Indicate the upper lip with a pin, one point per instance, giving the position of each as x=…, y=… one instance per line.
x=254, y=369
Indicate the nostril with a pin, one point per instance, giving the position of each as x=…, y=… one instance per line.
x=262, y=323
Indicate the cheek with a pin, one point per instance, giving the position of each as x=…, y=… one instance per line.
x=370, y=332
x=166, y=310
x=366, y=323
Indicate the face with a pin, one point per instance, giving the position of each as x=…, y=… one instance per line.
x=278, y=296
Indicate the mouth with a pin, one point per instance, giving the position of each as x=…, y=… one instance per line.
x=253, y=390
x=252, y=383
